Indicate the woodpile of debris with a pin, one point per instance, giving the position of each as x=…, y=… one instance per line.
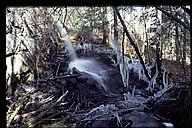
x=65, y=98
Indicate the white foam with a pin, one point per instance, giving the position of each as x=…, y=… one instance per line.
x=90, y=67
x=168, y=125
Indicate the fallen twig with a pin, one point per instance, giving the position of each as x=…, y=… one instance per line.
x=59, y=77
x=25, y=115
x=47, y=100
x=62, y=96
x=57, y=70
x=35, y=121
x=13, y=115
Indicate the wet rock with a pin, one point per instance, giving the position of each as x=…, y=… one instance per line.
x=82, y=79
x=141, y=120
x=91, y=84
x=75, y=71
x=63, y=67
x=71, y=81
x=105, y=123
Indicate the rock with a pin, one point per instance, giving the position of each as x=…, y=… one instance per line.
x=71, y=81
x=63, y=67
x=82, y=79
x=63, y=82
x=141, y=120
x=75, y=71
x=105, y=123
x=92, y=84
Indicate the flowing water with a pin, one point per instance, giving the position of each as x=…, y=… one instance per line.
x=92, y=68
x=88, y=66
x=70, y=49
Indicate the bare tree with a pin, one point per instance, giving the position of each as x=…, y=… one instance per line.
x=174, y=18
x=184, y=49
x=115, y=25
x=147, y=41
x=186, y=9
x=132, y=43
x=177, y=43
x=65, y=15
x=104, y=24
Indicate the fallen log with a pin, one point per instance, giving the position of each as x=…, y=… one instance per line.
x=59, y=77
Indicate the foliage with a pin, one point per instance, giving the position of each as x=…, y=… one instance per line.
x=86, y=18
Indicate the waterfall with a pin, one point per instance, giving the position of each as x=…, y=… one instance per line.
x=88, y=66
x=65, y=37
x=92, y=68
x=70, y=49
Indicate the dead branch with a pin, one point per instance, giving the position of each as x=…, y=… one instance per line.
x=59, y=77
x=133, y=44
x=174, y=18
x=17, y=27
x=26, y=115
x=186, y=10
x=13, y=115
x=54, y=10
x=57, y=70
x=65, y=15
x=15, y=52
x=10, y=54
x=28, y=29
x=35, y=121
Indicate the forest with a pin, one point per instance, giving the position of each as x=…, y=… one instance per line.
x=98, y=66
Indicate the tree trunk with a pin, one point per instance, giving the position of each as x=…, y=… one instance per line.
x=184, y=40
x=104, y=25
x=184, y=55
x=132, y=43
x=184, y=49
x=65, y=15
x=36, y=43
x=146, y=36
x=163, y=16
x=13, y=82
x=177, y=43
x=158, y=50
x=115, y=26
x=186, y=9
x=123, y=57
x=173, y=17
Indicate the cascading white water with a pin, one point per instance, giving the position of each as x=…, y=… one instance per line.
x=70, y=49
x=68, y=45
x=88, y=66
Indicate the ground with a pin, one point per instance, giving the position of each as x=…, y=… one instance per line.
x=74, y=99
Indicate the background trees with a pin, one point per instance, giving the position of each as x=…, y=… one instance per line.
x=160, y=32
x=142, y=37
